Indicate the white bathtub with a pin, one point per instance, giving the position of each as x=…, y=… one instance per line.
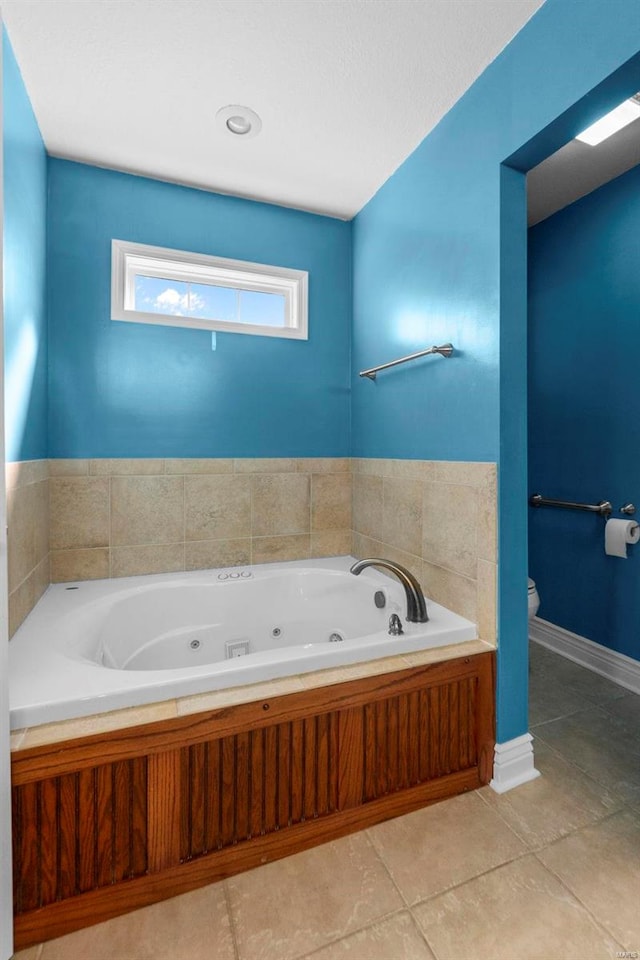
x=101, y=645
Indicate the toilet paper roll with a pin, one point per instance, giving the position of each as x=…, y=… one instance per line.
x=617, y=534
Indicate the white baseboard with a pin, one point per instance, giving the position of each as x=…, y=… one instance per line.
x=608, y=663
x=513, y=764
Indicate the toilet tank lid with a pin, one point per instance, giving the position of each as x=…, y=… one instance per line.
x=532, y=584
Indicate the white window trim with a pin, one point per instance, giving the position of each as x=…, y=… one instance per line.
x=129, y=259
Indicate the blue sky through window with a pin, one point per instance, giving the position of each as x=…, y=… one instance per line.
x=264, y=309
x=208, y=302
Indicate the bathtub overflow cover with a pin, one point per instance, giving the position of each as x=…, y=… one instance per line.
x=194, y=644
x=276, y=632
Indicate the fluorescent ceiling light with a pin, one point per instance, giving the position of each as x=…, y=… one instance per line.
x=626, y=113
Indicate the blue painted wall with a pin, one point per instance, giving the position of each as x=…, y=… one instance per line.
x=25, y=321
x=437, y=256
x=584, y=410
x=438, y=253
x=133, y=390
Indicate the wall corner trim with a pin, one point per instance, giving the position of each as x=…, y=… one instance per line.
x=513, y=764
x=614, y=666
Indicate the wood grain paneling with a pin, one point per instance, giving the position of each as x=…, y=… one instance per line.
x=78, y=832
x=209, y=795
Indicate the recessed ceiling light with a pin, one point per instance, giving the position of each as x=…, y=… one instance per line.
x=606, y=126
x=241, y=122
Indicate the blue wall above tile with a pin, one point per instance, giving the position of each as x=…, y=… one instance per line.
x=440, y=254
x=134, y=390
x=24, y=254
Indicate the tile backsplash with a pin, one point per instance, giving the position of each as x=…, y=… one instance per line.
x=438, y=518
x=92, y=519
x=120, y=518
x=27, y=537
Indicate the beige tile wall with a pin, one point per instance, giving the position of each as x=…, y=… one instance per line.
x=119, y=518
x=438, y=518
x=27, y=536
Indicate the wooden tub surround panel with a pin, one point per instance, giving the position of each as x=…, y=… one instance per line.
x=106, y=824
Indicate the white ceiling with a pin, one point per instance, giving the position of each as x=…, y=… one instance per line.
x=346, y=89
x=578, y=169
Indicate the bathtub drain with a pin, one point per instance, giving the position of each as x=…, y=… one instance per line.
x=194, y=644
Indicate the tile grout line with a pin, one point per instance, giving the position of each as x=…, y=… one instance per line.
x=586, y=826
x=332, y=942
x=251, y=550
x=184, y=520
x=412, y=906
x=310, y=495
x=407, y=905
x=463, y=883
x=573, y=763
x=110, y=553
x=232, y=924
x=569, y=833
x=386, y=869
x=575, y=896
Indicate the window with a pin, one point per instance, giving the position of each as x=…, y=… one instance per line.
x=180, y=289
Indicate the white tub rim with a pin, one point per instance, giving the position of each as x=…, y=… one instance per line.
x=33, y=706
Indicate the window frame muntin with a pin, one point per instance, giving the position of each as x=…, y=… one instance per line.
x=130, y=259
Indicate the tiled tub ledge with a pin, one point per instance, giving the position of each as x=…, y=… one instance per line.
x=47, y=733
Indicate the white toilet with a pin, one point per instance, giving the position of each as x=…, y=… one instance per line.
x=534, y=599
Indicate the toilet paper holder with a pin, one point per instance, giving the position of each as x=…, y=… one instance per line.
x=629, y=509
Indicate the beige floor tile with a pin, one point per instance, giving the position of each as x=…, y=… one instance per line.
x=625, y=708
x=31, y=953
x=294, y=906
x=555, y=804
x=589, y=686
x=396, y=938
x=518, y=912
x=550, y=699
x=443, y=845
x=194, y=926
x=605, y=747
x=601, y=865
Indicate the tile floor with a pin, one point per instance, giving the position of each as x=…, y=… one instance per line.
x=548, y=871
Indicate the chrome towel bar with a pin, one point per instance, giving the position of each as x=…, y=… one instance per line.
x=445, y=350
x=603, y=508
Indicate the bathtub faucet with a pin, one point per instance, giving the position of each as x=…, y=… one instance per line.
x=416, y=607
